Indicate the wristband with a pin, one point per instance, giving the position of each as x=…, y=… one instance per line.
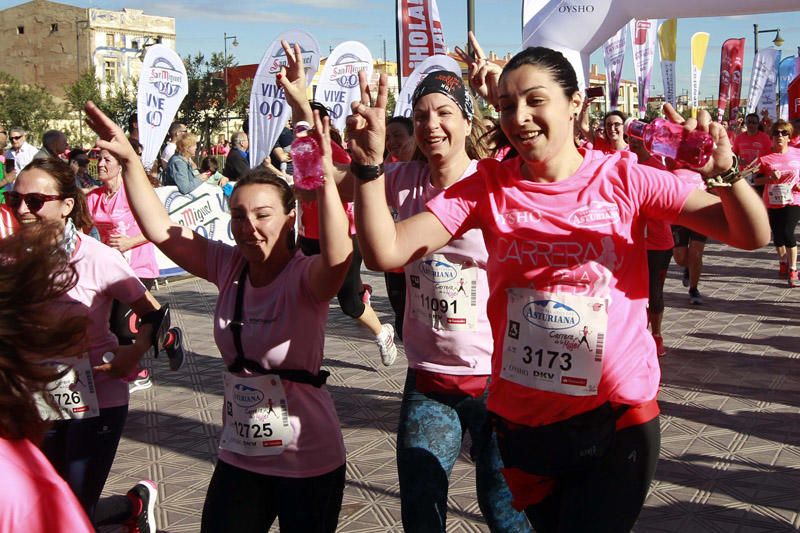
x=366, y=172
x=727, y=178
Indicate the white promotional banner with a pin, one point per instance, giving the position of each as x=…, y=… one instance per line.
x=338, y=83
x=699, y=48
x=614, y=58
x=769, y=96
x=162, y=87
x=269, y=111
x=433, y=63
x=579, y=27
x=643, y=41
x=765, y=67
x=204, y=211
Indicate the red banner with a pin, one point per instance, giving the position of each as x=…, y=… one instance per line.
x=730, y=78
x=794, y=99
x=419, y=33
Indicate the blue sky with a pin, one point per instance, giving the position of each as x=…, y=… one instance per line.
x=201, y=23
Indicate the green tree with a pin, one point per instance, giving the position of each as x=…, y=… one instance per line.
x=118, y=102
x=205, y=107
x=27, y=106
x=391, y=103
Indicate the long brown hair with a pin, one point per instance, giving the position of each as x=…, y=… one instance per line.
x=65, y=182
x=33, y=273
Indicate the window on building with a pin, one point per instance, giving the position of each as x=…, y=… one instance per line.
x=110, y=39
x=53, y=27
x=20, y=30
x=135, y=45
x=110, y=70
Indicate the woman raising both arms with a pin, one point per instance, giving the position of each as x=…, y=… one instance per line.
x=574, y=369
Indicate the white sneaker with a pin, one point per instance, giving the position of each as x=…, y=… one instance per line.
x=385, y=342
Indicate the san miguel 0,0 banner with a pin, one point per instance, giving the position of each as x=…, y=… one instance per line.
x=338, y=83
x=643, y=37
x=419, y=34
x=614, y=58
x=431, y=64
x=668, y=45
x=268, y=108
x=162, y=87
x=699, y=48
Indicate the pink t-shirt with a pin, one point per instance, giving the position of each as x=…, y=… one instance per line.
x=658, y=233
x=751, y=147
x=582, y=236
x=284, y=327
x=113, y=215
x=103, y=276
x=35, y=499
x=788, y=165
x=456, y=352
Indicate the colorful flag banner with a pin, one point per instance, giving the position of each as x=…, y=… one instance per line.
x=162, y=87
x=338, y=84
x=765, y=67
x=614, y=58
x=699, y=48
x=419, y=34
x=769, y=97
x=643, y=39
x=269, y=111
x=794, y=98
x=433, y=63
x=668, y=44
x=786, y=73
x=732, y=54
x=737, y=64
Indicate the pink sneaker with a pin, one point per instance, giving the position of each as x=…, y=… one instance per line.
x=660, y=350
x=783, y=270
x=794, y=281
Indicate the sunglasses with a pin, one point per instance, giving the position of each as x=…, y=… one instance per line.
x=16, y=137
x=34, y=200
x=781, y=133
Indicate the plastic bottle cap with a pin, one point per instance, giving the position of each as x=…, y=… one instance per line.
x=108, y=357
x=301, y=125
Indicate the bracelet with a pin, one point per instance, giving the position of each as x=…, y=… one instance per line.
x=366, y=172
x=727, y=178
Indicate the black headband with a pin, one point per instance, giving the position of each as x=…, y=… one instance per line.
x=446, y=83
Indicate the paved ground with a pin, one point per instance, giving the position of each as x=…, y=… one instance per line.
x=730, y=459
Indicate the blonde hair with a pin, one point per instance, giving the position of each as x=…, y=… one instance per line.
x=182, y=145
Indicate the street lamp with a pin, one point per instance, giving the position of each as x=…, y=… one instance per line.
x=225, y=68
x=778, y=41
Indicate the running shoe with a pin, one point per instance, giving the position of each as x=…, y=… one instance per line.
x=141, y=382
x=685, y=279
x=366, y=293
x=660, y=350
x=143, y=498
x=793, y=279
x=783, y=270
x=385, y=342
x=694, y=297
x=174, y=348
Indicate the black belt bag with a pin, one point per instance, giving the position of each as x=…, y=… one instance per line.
x=560, y=448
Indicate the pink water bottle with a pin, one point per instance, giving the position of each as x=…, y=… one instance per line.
x=306, y=158
x=667, y=139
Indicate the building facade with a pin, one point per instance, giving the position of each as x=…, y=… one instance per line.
x=51, y=45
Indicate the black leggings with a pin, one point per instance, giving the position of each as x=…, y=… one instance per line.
x=243, y=501
x=657, y=265
x=349, y=295
x=782, y=222
x=396, y=289
x=123, y=322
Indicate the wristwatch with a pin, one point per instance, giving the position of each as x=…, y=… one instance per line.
x=366, y=172
x=727, y=178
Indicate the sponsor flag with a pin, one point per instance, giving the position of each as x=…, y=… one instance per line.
x=338, y=84
x=433, y=63
x=614, y=58
x=769, y=97
x=419, y=34
x=699, y=48
x=794, y=98
x=643, y=40
x=162, y=87
x=786, y=74
x=736, y=65
x=268, y=108
x=731, y=50
x=668, y=44
x=765, y=66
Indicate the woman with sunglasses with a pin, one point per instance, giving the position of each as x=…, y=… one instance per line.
x=82, y=450
x=281, y=450
x=574, y=369
x=780, y=178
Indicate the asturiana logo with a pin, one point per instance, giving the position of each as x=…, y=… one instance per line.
x=596, y=214
x=550, y=314
x=438, y=271
x=245, y=396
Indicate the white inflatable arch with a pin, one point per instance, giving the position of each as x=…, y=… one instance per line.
x=577, y=28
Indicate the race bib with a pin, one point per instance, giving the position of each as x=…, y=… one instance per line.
x=74, y=393
x=554, y=342
x=444, y=294
x=779, y=193
x=256, y=418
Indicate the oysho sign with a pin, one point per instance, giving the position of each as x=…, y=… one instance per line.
x=576, y=8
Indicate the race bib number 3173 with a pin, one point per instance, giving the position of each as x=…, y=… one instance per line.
x=554, y=342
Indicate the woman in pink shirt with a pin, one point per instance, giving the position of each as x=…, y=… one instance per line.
x=780, y=177
x=574, y=369
x=281, y=450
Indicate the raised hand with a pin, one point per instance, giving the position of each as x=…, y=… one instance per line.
x=367, y=124
x=483, y=74
x=292, y=78
x=722, y=157
x=111, y=136
x=322, y=130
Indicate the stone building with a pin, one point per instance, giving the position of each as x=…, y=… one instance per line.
x=51, y=44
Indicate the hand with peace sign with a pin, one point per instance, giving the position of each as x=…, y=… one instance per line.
x=292, y=79
x=483, y=74
x=367, y=125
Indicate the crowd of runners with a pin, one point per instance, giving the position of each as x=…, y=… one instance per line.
x=524, y=258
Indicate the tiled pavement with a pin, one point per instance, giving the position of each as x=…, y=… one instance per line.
x=730, y=458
